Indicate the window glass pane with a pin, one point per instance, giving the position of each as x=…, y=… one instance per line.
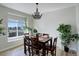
x=21, y=25
x=12, y=27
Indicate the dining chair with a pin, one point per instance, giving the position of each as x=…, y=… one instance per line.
x=27, y=45
x=36, y=46
x=52, y=47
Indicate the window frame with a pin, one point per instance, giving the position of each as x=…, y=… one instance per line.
x=11, y=39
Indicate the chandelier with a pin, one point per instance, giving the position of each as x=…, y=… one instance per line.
x=37, y=14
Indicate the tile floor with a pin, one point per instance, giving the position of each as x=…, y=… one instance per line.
x=20, y=52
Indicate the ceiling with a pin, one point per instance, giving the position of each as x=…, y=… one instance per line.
x=43, y=7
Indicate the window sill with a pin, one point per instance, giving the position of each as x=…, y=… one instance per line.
x=12, y=39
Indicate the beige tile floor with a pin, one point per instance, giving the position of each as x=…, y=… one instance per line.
x=18, y=51
x=62, y=53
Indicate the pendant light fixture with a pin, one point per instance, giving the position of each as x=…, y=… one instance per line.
x=37, y=14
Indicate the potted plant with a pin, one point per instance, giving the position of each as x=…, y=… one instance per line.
x=66, y=35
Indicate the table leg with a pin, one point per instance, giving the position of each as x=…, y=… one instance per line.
x=24, y=47
x=44, y=50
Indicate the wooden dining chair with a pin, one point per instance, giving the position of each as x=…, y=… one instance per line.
x=36, y=46
x=52, y=47
x=27, y=45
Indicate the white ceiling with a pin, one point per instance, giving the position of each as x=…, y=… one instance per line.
x=43, y=7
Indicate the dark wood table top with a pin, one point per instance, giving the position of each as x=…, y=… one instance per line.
x=44, y=40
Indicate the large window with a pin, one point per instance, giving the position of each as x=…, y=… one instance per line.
x=21, y=26
x=15, y=27
x=12, y=27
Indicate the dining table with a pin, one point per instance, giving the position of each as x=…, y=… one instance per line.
x=43, y=40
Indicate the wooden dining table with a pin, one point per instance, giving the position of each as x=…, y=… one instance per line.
x=43, y=41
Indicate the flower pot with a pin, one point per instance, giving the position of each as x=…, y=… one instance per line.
x=66, y=49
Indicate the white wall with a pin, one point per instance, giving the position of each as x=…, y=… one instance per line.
x=77, y=23
x=51, y=20
x=4, y=44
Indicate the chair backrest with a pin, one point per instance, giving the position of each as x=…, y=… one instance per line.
x=46, y=35
x=27, y=41
x=55, y=42
x=35, y=39
x=26, y=33
x=39, y=34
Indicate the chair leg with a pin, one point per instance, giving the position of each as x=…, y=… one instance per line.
x=32, y=52
x=37, y=52
x=29, y=51
x=25, y=51
x=47, y=52
x=55, y=52
x=52, y=53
